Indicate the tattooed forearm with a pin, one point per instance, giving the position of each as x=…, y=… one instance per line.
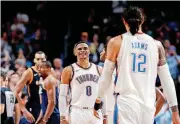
x=161, y=52
x=174, y=108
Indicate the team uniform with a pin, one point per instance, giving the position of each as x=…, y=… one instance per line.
x=137, y=71
x=9, y=100
x=33, y=104
x=55, y=116
x=84, y=87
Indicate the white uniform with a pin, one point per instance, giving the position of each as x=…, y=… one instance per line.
x=111, y=100
x=84, y=87
x=137, y=71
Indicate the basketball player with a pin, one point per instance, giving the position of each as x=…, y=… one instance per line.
x=139, y=58
x=30, y=78
x=160, y=99
x=81, y=77
x=49, y=94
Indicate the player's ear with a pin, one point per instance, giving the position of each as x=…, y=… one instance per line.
x=34, y=60
x=74, y=51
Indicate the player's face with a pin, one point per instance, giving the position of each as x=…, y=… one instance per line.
x=82, y=51
x=103, y=55
x=43, y=69
x=39, y=58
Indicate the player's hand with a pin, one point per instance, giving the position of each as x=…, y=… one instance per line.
x=38, y=120
x=105, y=121
x=28, y=116
x=175, y=118
x=96, y=114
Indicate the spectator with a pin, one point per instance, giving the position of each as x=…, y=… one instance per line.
x=58, y=67
x=95, y=49
x=85, y=37
x=24, y=100
x=37, y=42
x=173, y=61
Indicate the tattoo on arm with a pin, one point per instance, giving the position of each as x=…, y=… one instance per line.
x=174, y=108
x=162, y=54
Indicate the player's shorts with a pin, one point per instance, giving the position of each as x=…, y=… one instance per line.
x=164, y=118
x=84, y=116
x=132, y=112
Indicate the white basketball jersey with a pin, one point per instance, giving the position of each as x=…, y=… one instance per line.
x=84, y=86
x=137, y=68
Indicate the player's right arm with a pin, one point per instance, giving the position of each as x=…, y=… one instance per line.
x=167, y=83
x=64, y=87
x=26, y=77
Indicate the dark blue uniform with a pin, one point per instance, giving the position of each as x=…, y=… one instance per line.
x=55, y=116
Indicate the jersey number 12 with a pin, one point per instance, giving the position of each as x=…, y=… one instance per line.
x=139, y=62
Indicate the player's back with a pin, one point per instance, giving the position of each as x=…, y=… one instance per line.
x=84, y=85
x=137, y=68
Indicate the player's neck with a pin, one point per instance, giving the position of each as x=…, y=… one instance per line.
x=35, y=68
x=84, y=63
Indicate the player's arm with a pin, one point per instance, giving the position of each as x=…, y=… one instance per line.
x=103, y=100
x=113, y=48
x=26, y=77
x=167, y=82
x=51, y=94
x=64, y=87
x=160, y=101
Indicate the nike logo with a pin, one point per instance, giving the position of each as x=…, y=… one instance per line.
x=35, y=74
x=78, y=70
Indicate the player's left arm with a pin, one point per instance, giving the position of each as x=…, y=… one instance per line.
x=167, y=83
x=102, y=100
x=51, y=94
x=113, y=48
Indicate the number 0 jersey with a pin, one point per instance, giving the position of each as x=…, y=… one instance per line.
x=137, y=68
x=84, y=85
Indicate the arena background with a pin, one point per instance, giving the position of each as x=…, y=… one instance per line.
x=61, y=24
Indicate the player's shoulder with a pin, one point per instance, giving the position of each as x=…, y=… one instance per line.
x=158, y=44
x=68, y=69
x=115, y=42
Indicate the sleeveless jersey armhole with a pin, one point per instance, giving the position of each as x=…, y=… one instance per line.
x=72, y=74
x=31, y=79
x=98, y=70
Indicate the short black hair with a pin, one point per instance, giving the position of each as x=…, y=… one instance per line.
x=134, y=17
x=47, y=64
x=3, y=75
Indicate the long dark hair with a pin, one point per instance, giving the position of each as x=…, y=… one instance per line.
x=134, y=17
